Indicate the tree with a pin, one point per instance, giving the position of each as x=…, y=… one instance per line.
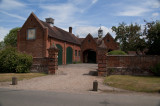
x=11, y=38
x=130, y=37
x=152, y=33
x=2, y=45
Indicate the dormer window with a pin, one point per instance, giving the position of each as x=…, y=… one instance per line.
x=31, y=33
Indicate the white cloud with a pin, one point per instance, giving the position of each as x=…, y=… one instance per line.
x=3, y=32
x=133, y=11
x=136, y=8
x=152, y=3
x=94, y=1
x=11, y=4
x=13, y=15
x=61, y=12
x=84, y=31
x=155, y=14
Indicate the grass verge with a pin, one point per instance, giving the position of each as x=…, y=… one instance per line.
x=20, y=76
x=134, y=83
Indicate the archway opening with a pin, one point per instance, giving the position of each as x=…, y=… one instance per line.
x=110, y=50
x=89, y=56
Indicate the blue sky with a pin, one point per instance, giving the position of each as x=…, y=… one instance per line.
x=85, y=16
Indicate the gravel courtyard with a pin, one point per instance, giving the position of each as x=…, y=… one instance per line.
x=68, y=78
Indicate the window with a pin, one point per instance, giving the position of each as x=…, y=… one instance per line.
x=79, y=53
x=75, y=52
x=107, y=40
x=31, y=33
x=89, y=40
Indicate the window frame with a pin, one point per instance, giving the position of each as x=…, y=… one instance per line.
x=79, y=53
x=75, y=52
x=28, y=38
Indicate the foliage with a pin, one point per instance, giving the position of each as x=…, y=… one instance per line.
x=129, y=37
x=117, y=52
x=134, y=83
x=12, y=61
x=11, y=38
x=156, y=69
x=2, y=45
x=152, y=33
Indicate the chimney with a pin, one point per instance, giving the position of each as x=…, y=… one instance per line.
x=50, y=21
x=70, y=29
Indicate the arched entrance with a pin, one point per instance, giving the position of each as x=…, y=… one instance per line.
x=59, y=54
x=69, y=55
x=110, y=50
x=89, y=56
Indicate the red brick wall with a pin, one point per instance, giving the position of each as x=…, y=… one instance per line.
x=64, y=47
x=34, y=47
x=110, y=43
x=130, y=65
x=143, y=62
x=86, y=45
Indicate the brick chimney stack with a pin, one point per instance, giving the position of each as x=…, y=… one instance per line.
x=50, y=21
x=70, y=30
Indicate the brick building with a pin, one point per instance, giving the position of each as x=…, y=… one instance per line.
x=36, y=36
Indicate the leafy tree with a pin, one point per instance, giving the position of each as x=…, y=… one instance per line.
x=152, y=33
x=2, y=45
x=11, y=38
x=130, y=37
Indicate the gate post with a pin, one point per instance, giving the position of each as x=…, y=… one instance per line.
x=102, y=50
x=52, y=59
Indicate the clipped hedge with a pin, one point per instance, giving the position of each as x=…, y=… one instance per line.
x=117, y=52
x=12, y=61
x=156, y=69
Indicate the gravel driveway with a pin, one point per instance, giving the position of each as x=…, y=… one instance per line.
x=69, y=78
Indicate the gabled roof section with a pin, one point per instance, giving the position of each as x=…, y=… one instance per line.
x=32, y=15
x=109, y=35
x=54, y=32
x=61, y=34
x=89, y=36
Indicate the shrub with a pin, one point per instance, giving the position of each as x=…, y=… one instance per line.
x=117, y=52
x=24, y=63
x=12, y=61
x=156, y=69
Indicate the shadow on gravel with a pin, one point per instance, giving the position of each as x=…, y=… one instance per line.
x=92, y=73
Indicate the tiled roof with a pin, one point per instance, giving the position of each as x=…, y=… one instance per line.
x=61, y=34
x=81, y=39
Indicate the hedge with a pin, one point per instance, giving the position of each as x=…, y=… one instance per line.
x=117, y=52
x=12, y=61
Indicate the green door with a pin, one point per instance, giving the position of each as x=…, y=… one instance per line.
x=69, y=55
x=59, y=54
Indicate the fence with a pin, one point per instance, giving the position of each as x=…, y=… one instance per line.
x=128, y=65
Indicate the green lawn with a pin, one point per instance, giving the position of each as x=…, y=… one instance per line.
x=134, y=83
x=20, y=76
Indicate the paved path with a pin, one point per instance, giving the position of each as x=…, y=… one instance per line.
x=69, y=78
x=10, y=97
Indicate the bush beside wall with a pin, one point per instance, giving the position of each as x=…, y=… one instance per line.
x=12, y=61
x=117, y=52
x=156, y=69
